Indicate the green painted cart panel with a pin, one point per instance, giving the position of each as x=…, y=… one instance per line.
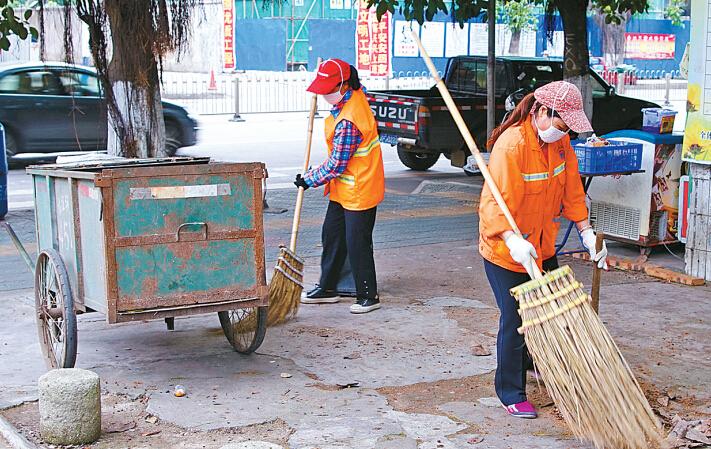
x=147, y=206
x=184, y=267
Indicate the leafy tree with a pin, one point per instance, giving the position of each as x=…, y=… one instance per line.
x=11, y=24
x=142, y=33
x=573, y=14
x=519, y=15
x=613, y=36
x=674, y=11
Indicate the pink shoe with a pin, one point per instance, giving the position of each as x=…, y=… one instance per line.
x=522, y=410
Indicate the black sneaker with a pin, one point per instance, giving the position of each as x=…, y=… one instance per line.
x=365, y=305
x=318, y=295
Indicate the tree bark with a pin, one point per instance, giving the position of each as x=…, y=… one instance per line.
x=136, y=127
x=515, y=45
x=576, y=57
x=613, y=38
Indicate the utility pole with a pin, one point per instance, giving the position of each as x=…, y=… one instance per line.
x=491, y=70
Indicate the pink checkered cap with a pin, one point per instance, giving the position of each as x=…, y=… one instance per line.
x=565, y=99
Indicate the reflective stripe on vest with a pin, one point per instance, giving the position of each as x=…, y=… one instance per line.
x=529, y=177
x=347, y=179
x=366, y=149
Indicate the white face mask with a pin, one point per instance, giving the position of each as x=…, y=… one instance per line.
x=550, y=135
x=334, y=98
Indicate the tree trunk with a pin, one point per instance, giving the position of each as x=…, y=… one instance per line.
x=515, y=45
x=613, y=38
x=136, y=127
x=576, y=57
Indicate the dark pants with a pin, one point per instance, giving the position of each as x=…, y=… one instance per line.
x=512, y=357
x=348, y=233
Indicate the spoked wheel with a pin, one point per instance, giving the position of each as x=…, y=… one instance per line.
x=54, y=306
x=244, y=328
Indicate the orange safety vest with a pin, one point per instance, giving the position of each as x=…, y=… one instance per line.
x=362, y=185
x=537, y=189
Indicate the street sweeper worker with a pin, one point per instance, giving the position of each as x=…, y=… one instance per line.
x=354, y=180
x=536, y=170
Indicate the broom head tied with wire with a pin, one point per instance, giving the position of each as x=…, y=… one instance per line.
x=581, y=366
x=285, y=287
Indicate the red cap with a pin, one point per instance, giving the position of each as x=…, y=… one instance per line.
x=329, y=75
x=565, y=99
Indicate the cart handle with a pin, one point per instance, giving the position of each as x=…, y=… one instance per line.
x=194, y=223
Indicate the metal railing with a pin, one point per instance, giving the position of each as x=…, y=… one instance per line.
x=263, y=92
x=658, y=86
x=273, y=92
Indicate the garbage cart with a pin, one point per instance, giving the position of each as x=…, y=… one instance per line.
x=148, y=239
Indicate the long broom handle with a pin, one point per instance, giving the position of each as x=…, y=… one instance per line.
x=452, y=106
x=307, y=157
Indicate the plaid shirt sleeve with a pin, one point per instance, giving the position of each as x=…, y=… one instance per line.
x=346, y=141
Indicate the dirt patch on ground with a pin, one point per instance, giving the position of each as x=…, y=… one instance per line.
x=126, y=424
x=429, y=397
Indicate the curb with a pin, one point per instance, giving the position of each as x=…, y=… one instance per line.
x=13, y=437
x=649, y=269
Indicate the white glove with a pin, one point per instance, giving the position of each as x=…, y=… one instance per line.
x=589, y=241
x=522, y=251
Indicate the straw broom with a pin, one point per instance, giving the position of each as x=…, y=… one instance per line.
x=287, y=282
x=584, y=371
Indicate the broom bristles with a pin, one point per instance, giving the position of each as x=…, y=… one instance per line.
x=581, y=366
x=285, y=287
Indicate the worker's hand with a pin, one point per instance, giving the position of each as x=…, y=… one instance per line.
x=300, y=182
x=522, y=251
x=589, y=241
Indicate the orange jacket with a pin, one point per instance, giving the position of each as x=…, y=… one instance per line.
x=537, y=189
x=362, y=185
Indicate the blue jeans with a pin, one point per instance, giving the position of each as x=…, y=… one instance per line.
x=512, y=359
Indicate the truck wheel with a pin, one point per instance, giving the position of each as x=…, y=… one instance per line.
x=416, y=161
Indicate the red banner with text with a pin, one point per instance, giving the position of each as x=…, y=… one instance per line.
x=649, y=46
x=372, y=41
x=228, y=9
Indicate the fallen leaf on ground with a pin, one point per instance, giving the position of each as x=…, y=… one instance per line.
x=151, y=419
x=149, y=434
x=663, y=400
x=475, y=440
x=696, y=435
x=480, y=351
x=285, y=375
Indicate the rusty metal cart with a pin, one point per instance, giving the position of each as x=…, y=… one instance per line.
x=148, y=239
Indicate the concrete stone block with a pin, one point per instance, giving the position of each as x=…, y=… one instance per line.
x=70, y=406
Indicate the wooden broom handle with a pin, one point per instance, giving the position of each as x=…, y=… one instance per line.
x=457, y=116
x=597, y=274
x=307, y=157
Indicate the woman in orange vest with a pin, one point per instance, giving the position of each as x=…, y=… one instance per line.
x=535, y=167
x=355, y=182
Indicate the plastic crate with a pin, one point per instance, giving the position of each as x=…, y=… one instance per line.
x=618, y=157
x=658, y=120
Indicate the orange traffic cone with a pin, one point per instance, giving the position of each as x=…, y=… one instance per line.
x=213, y=83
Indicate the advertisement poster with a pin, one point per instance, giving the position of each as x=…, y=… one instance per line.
x=229, y=34
x=404, y=45
x=649, y=46
x=457, y=40
x=372, y=41
x=478, y=40
x=697, y=135
x=432, y=37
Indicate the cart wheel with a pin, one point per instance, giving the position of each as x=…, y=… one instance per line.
x=244, y=328
x=54, y=306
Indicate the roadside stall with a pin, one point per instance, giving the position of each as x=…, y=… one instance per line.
x=148, y=239
x=641, y=209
